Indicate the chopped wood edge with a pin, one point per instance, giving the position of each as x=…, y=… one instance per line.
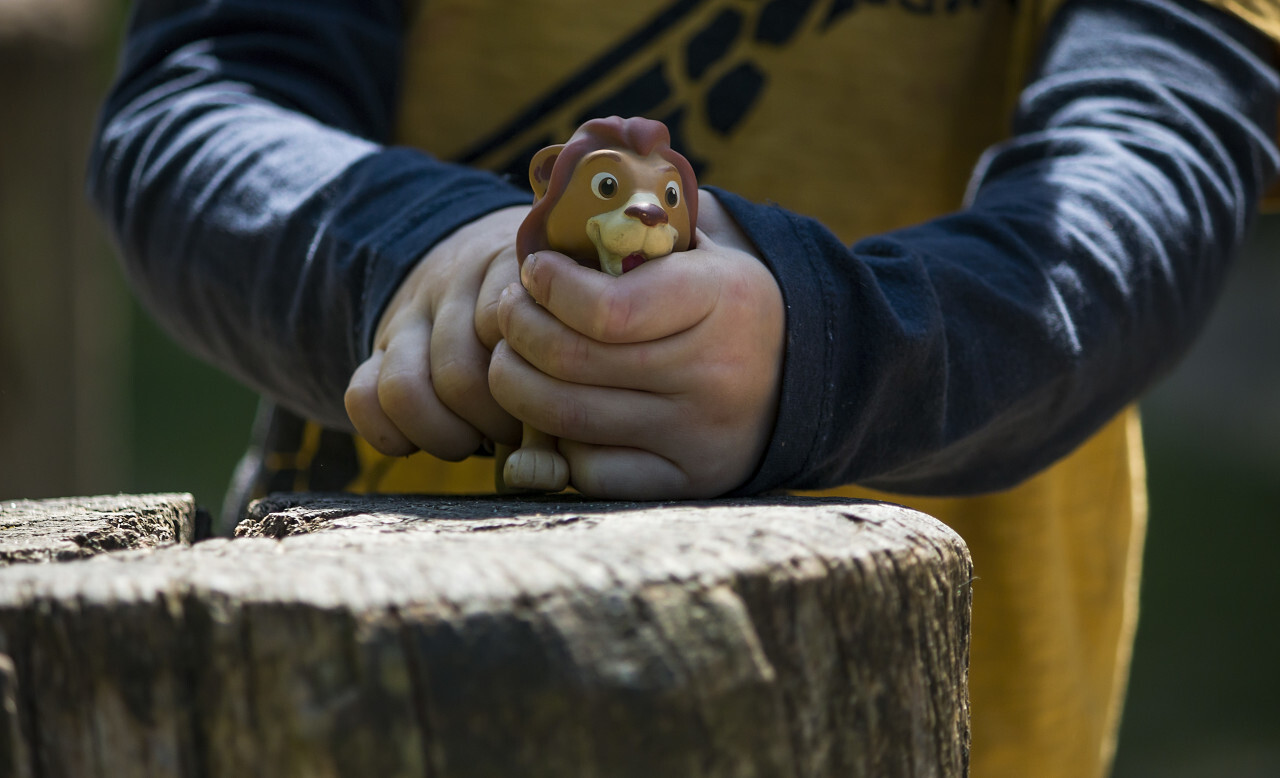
x=69, y=528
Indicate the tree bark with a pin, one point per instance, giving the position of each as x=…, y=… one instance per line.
x=396, y=636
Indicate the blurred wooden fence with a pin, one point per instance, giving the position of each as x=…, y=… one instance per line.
x=63, y=315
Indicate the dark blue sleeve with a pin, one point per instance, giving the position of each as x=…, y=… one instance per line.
x=239, y=160
x=967, y=353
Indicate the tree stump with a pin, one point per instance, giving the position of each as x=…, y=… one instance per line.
x=398, y=636
x=80, y=527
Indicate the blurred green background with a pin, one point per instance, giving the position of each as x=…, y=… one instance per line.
x=94, y=398
x=1206, y=676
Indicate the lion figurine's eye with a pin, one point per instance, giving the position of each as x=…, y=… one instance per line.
x=604, y=185
x=673, y=194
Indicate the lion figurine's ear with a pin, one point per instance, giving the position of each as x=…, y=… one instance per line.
x=540, y=169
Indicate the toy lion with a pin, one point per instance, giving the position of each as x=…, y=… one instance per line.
x=615, y=196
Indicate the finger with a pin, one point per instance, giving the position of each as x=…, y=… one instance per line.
x=365, y=412
x=561, y=352
x=592, y=414
x=624, y=473
x=408, y=397
x=717, y=228
x=460, y=374
x=655, y=300
x=501, y=273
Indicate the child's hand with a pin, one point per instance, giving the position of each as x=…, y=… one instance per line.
x=426, y=384
x=662, y=382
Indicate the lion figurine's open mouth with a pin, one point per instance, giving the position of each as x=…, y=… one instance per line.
x=632, y=261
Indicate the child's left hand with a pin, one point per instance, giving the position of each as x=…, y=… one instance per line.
x=661, y=383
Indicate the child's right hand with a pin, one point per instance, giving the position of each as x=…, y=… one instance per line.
x=426, y=385
x=662, y=383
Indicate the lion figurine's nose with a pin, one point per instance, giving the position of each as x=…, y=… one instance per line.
x=649, y=214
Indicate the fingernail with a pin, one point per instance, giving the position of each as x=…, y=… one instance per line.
x=506, y=303
x=526, y=269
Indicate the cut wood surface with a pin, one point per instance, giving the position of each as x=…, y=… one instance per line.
x=79, y=527
x=395, y=636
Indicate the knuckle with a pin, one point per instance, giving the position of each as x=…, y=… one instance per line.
x=397, y=393
x=567, y=418
x=613, y=316
x=739, y=287
x=457, y=382
x=570, y=358
x=356, y=399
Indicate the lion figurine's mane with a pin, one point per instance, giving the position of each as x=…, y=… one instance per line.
x=639, y=135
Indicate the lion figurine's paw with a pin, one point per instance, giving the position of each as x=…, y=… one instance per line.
x=536, y=469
